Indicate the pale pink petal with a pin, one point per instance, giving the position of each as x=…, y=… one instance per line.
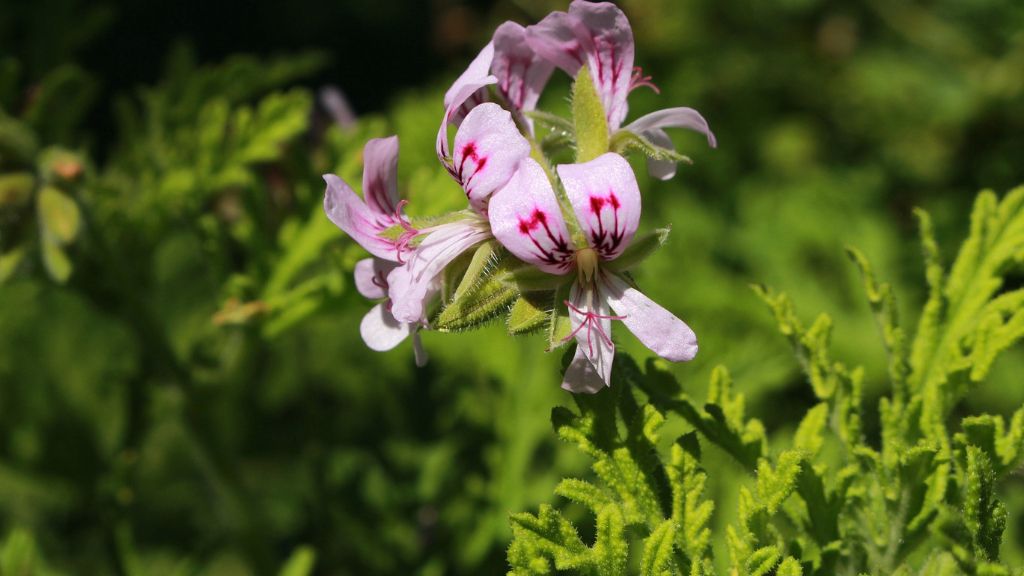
x=488, y=148
x=477, y=72
x=526, y=218
x=658, y=329
x=371, y=277
x=606, y=199
x=348, y=212
x=660, y=169
x=521, y=73
x=581, y=377
x=381, y=331
x=412, y=285
x=380, y=175
x=419, y=353
x=608, y=45
x=592, y=327
x=556, y=39
x=673, y=118
x=463, y=96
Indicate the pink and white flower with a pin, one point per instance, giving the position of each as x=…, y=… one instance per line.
x=526, y=218
x=598, y=35
x=379, y=328
x=365, y=219
x=519, y=76
x=487, y=151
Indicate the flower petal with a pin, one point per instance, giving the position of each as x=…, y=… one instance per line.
x=521, y=73
x=658, y=329
x=371, y=277
x=488, y=148
x=592, y=327
x=380, y=175
x=412, y=285
x=673, y=118
x=606, y=199
x=354, y=217
x=608, y=44
x=465, y=93
x=581, y=377
x=526, y=218
x=381, y=331
x=556, y=39
x=477, y=72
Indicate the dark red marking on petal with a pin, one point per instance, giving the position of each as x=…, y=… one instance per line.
x=591, y=320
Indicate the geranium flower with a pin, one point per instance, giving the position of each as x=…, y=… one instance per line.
x=598, y=35
x=506, y=61
x=365, y=220
x=527, y=219
x=379, y=328
x=487, y=150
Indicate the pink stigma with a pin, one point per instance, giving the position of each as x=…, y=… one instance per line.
x=638, y=79
x=403, y=241
x=591, y=321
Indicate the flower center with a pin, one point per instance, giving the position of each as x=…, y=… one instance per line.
x=586, y=264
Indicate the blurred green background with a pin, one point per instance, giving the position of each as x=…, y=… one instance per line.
x=183, y=389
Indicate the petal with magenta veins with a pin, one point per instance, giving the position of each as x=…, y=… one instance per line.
x=371, y=275
x=673, y=118
x=380, y=175
x=526, y=218
x=521, y=73
x=476, y=72
x=413, y=284
x=348, y=211
x=656, y=327
x=605, y=196
x=608, y=45
x=581, y=376
x=487, y=150
x=381, y=331
x=591, y=322
x=556, y=39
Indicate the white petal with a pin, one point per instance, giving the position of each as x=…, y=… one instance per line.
x=581, y=377
x=658, y=329
x=381, y=331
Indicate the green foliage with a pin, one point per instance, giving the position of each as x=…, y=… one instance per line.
x=922, y=499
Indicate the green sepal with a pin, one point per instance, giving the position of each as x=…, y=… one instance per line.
x=529, y=313
x=481, y=295
x=532, y=279
x=589, y=118
x=624, y=141
x=560, y=326
x=639, y=250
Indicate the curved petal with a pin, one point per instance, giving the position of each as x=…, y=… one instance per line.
x=348, y=212
x=606, y=199
x=658, y=329
x=521, y=73
x=526, y=218
x=381, y=331
x=581, y=377
x=412, y=285
x=592, y=327
x=608, y=45
x=380, y=175
x=465, y=95
x=371, y=277
x=673, y=118
x=556, y=39
x=660, y=169
x=476, y=72
x=488, y=148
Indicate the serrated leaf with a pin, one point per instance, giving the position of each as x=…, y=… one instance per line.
x=808, y=435
x=789, y=567
x=657, y=557
x=583, y=492
x=984, y=515
x=775, y=485
x=549, y=532
x=762, y=561
x=611, y=547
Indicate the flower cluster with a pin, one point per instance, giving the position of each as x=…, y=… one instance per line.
x=549, y=244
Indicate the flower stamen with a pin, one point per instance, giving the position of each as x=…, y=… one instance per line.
x=638, y=79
